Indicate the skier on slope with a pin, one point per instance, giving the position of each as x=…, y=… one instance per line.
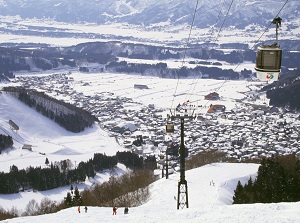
x=114, y=210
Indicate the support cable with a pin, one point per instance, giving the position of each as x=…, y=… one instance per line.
x=250, y=48
x=209, y=54
x=186, y=46
x=211, y=35
x=264, y=31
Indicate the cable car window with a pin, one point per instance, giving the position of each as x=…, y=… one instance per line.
x=259, y=59
x=269, y=60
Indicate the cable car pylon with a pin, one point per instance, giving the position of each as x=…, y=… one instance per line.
x=182, y=195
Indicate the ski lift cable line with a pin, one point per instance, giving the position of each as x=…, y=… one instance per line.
x=209, y=38
x=186, y=46
x=223, y=21
x=251, y=48
x=219, y=15
x=215, y=42
x=211, y=33
x=209, y=54
x=269, y=24
x=264, y=32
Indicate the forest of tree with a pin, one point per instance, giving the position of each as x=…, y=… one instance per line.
x=5, y=142
x=128, y=190
x=288, y=96
x=62, y=174
x=278, y=180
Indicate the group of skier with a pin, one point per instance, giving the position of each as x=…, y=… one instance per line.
x=126, y=210
x=85, y=208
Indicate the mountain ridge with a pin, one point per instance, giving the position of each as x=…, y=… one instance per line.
x=240, y=13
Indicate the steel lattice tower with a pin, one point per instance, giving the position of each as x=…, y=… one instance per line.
x=182, y=196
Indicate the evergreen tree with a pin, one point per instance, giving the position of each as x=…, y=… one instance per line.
x=68, y=199
x=77, y=200
x=278, y=180
x=238, y=197
x=46, y=161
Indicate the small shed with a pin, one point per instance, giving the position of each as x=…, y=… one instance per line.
x=140, y=86
x=27, y=146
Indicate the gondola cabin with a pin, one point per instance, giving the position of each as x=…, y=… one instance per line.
x=170, y=127
x=268, y=58
x=268, y=62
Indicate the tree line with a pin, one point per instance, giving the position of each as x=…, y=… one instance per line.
x=46, y=58
x=61, y=173
x=70, y=117
x=278, y=180
x=130, y=189
x=161, y=70
x=5, y=142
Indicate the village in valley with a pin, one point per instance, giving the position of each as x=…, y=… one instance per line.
x=247, y=131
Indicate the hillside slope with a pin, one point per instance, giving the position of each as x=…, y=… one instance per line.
x=47, y=138
x=206, y=203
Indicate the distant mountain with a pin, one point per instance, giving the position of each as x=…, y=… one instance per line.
x=154, y=12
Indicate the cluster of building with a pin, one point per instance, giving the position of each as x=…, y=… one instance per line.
x=245, y=132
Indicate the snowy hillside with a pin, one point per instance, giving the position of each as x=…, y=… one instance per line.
x=207, y=203
x=47, y=138
x=150, y=12
x=152, y=21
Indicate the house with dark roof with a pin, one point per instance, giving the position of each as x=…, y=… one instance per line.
x=212, y=96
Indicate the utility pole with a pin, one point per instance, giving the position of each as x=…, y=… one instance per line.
x=182, y=196
x=167, y=166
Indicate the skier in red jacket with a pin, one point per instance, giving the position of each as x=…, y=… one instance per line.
x=114, y=210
